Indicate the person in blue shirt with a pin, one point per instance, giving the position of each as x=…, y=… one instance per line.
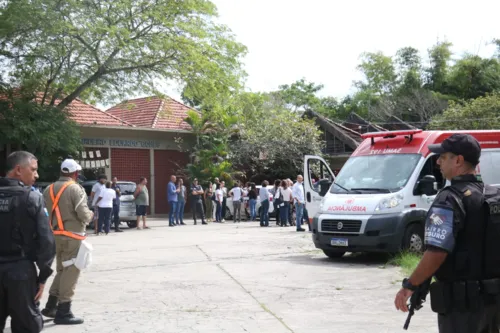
x=172, y=191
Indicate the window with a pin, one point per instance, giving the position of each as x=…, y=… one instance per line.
x=318, y=174
x=431, y=168
x=379, y=173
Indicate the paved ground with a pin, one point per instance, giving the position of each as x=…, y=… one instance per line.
x=233, y=278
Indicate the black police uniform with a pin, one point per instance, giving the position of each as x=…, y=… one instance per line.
x=457, y=223
x=25, y=238
x=454, y=225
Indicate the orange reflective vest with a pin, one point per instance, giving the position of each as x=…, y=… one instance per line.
x=55, y=209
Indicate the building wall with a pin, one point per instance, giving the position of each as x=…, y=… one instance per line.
x=134, y=153
x=166, y=164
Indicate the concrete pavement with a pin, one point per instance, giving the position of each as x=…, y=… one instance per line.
x=233, y=278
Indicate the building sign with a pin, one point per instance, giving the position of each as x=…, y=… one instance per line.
x=128, y=143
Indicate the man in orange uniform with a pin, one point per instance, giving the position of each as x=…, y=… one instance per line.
x=69, y=213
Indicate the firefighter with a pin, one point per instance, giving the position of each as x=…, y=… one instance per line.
x=69, y=214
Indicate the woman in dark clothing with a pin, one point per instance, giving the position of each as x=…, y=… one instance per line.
x=252, y=198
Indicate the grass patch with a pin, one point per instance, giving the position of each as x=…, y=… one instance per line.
x=407, y=261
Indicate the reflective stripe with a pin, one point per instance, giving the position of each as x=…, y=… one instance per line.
x=55, y=208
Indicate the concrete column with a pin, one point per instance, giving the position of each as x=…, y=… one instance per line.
x=109, y=171
x=152, y=181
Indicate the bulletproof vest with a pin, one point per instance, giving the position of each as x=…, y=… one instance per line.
x=13, y=212
x=466, y=260
x=491, y=260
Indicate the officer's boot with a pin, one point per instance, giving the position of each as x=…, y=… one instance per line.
x=51, y=307
x=64, y=316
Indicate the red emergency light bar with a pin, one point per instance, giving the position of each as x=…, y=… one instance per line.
x=390, y=134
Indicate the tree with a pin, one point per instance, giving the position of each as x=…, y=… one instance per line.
x=417, y=106
x=439, y=55
x=480, y=113
x=409, y=70
x=210, y=155
x=272, y=141
x=379, y=72
x=473, y=76
x=45, y=131
x=301, y=95
x=100, y=49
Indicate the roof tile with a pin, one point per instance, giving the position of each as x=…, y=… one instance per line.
x=153, y=112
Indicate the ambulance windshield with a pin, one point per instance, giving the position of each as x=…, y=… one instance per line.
x=375, y=173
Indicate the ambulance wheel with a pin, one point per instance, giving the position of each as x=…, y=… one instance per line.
x=414, y=238
x=333, y=254
x=132, y=224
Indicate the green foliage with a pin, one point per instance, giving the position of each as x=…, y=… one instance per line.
x=103, y=50
x=480, y=113
x=273, y=140
x=45, y=131
x=379, y=71
x=473, y=76
x=440, y=55
x=209, y=157
x=408, y=261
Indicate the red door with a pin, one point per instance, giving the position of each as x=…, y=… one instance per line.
x=131, y=165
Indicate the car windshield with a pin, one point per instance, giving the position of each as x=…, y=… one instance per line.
x=375, y=173
x=127, y=188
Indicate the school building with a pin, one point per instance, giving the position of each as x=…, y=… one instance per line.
x=144, y=137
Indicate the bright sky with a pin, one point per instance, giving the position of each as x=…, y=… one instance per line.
x=321, y=40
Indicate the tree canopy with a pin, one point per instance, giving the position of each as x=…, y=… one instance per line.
x=99, y=49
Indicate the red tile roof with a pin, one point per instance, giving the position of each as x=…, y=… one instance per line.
x=153, y=112
x=86, y=114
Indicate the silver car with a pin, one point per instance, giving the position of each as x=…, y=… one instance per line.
x=127, y=203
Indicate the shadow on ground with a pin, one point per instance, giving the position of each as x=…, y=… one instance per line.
x=359, y=259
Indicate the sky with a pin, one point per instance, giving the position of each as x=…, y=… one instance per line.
x=321, y=40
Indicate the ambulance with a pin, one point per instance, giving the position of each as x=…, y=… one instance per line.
x=379, y=200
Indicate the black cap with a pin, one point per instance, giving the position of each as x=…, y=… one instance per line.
x=460, y=144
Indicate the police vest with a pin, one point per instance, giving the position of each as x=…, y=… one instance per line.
x=476, y=255
x=13, y=212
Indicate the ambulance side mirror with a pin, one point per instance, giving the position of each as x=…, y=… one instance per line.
x=427, y=185
x=324, y=186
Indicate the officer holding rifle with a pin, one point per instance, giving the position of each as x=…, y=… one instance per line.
x=462, y=239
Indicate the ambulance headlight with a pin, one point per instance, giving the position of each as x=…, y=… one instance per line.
x=390, y=202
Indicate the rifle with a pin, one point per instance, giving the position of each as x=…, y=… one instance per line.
x=416, y=300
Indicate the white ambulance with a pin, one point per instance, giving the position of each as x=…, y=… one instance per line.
x=379, y=200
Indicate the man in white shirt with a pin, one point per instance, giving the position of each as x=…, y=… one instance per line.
x=94, y=195
x=298, y=197
x=236, y=193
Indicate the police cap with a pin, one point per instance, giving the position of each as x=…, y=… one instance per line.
x=460, y=144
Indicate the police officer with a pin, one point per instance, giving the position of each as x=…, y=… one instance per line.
x=454, y=233
x=25, y=237
x=69, y=213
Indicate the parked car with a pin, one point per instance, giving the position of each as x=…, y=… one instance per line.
x=127, y=204
x=245, y=211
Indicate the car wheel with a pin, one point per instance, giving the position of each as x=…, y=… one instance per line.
x=132, y=224
x=333, y=254
x=414, y=238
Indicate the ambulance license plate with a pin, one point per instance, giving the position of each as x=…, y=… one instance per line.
x=339, y=242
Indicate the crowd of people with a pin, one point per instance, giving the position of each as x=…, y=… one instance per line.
x=211, y=205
